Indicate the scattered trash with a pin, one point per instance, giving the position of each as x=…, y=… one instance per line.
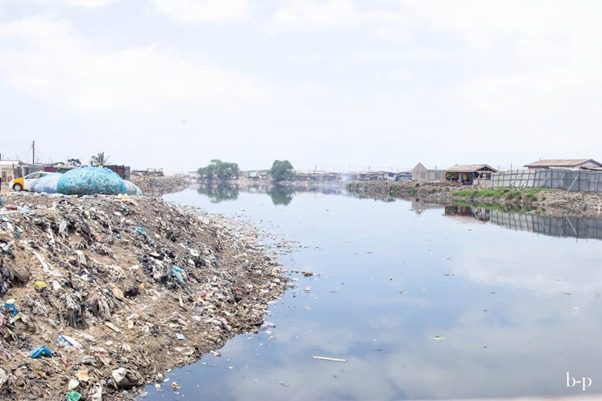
x=73, y=396
x=114, y=281
x=175, y=386
x=41, y=352
x=327, y=358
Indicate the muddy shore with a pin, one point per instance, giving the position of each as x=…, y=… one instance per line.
x=119, y=289
x=542, y=201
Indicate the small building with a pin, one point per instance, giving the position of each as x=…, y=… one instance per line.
x=571, y=164
x=256, y=174
x=7, y=169
x=422, y=174
x=377, y=176
x=469, y=174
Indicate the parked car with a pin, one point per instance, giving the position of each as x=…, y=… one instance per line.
x=24, y=183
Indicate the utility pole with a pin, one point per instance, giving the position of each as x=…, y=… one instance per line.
x=33, y=152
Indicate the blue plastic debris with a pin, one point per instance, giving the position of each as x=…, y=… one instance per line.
x=178, y=273
x=140, y=230
x=12, y=308
x=91, y=181
x=41, y=352
x=47, y=184
x=132, y=189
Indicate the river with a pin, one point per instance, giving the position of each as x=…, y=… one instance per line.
x=421, y=303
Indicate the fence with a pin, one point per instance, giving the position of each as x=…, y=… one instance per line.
x=571, y=180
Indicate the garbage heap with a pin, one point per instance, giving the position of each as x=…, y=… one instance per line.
x=157, y=186
x=101, y=294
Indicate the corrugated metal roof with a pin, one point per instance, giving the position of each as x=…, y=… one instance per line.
x=561, y=163
x=468, y=168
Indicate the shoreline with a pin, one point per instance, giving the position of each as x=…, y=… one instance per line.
x=553, y=202
x=136, y=286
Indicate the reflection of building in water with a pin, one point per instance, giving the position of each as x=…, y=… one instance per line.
x=468, y=213
x=575, y=227
x=419, y=206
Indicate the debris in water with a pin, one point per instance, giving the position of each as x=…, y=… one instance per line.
x=327, y=358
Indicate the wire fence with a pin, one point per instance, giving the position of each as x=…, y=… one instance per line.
x=570, y=180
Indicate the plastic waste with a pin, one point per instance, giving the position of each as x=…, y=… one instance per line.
x=90, y=181
x=47, y=184
x=73, y=396
x=132, y=189
x=69, y=341
x=40, y=352
x=12, y=308
x=178, y=273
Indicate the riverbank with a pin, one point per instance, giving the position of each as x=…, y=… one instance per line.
x=119, y=290
x=538, y=200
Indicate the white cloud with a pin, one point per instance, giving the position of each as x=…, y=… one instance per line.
x=320, y=15
x=67, y=3
x=50, y=61
x=314, y=15
x=192, y=11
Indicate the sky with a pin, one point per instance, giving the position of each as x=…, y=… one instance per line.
x=328, y=84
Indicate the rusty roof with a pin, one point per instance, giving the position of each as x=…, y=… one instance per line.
x=469, y=168
x=561, y=163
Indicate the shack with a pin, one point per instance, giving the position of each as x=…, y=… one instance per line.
x=421, y=173
x=7, y=169
x=469, y=174
x=377, y=176
x=571, y=164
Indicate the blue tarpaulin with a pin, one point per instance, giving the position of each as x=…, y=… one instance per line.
x=90, y=181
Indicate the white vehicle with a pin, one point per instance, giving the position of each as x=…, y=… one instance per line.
x=25, y=183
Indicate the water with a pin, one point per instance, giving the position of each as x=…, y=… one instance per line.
x=423, y=304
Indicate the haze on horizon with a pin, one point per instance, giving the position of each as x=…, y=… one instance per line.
x=333, y=84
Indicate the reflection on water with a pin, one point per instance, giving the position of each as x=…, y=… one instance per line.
x=420, y=305
x=219, y=192
x=565, y=226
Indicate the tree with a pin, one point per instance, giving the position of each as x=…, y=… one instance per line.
x=218, y=170
x=282, y=170
x=99, y=159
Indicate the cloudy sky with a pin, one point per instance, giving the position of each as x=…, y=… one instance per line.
x=337, y=84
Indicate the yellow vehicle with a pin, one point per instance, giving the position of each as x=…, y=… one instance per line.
x=24, y=183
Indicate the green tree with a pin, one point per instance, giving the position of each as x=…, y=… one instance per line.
x=218, y=170
x=282, y=170
x=99, y=159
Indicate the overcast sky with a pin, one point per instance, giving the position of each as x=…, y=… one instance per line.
x=336, y=84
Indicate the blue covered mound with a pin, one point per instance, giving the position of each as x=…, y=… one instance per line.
x=90, y=181
x=47, y=184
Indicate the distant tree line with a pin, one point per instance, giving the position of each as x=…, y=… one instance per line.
x=217, y=170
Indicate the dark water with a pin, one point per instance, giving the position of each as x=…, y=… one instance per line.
x=430, y=304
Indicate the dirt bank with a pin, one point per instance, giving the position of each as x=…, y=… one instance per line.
x=157, y=186
x=119, y=289
x=538, y=200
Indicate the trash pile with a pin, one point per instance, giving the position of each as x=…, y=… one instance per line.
x=85, y=181
x=101, y=294
x=157, y=186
